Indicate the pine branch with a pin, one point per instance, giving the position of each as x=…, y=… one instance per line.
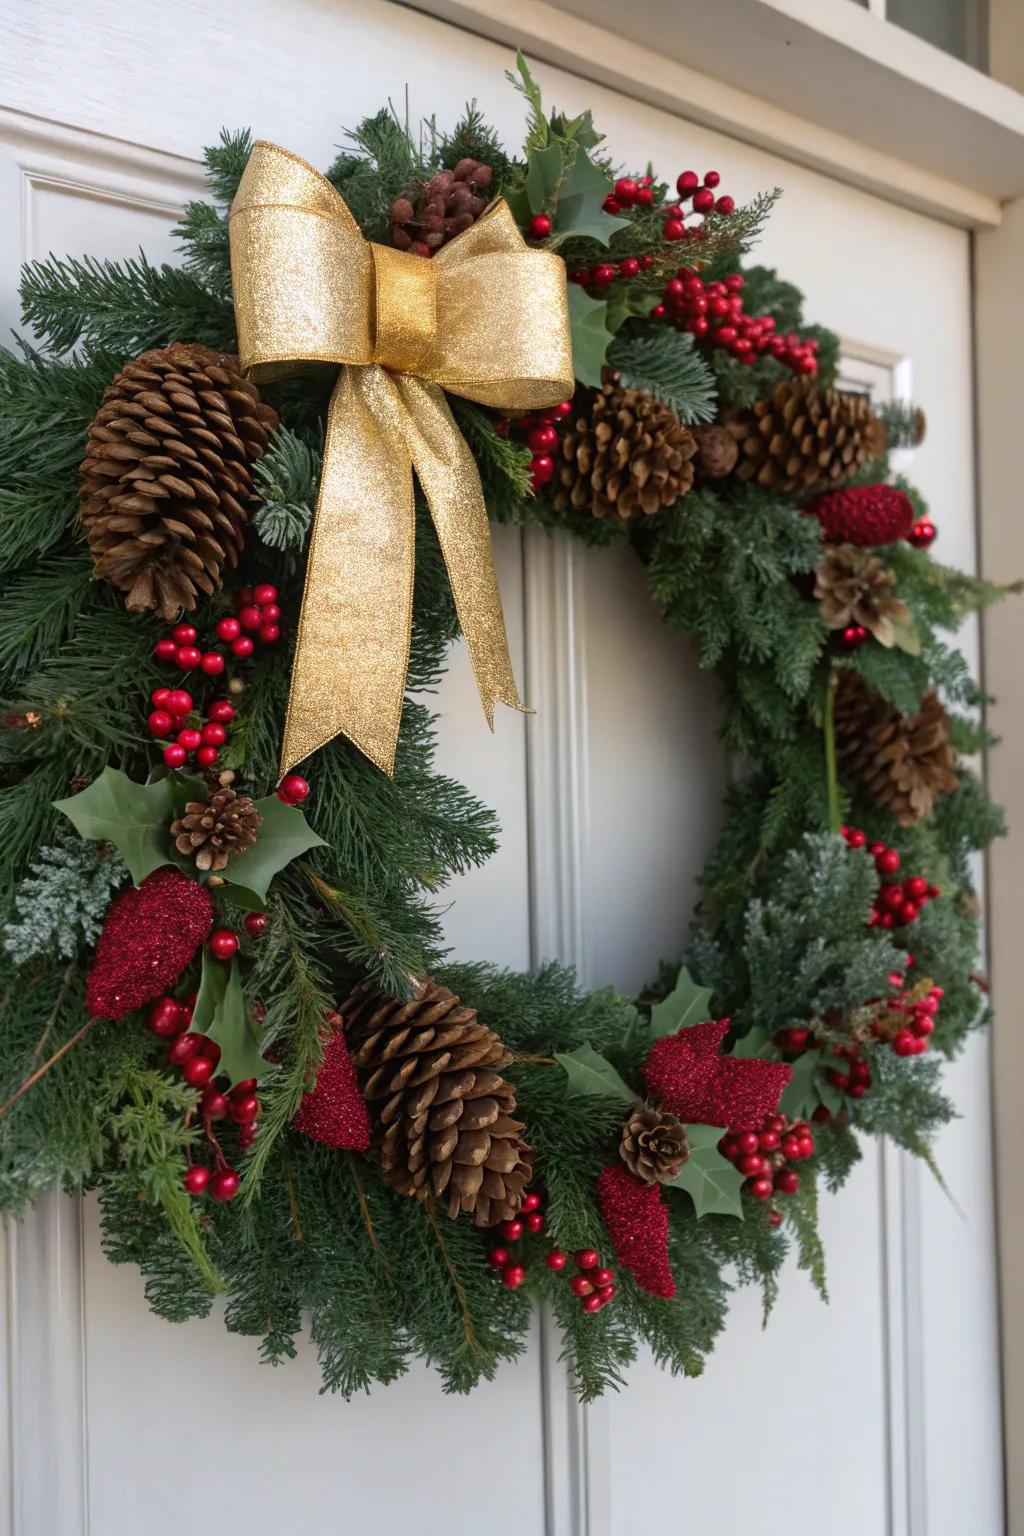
x=665, y=363
x=287, y=478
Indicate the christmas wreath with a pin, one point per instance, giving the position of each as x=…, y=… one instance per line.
x=226, y=1006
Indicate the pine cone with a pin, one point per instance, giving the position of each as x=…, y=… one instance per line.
x=717, y=452
x=216, y=830
x=802, y=437
x=854, y=587
x=441, y=208
x=654, y=1145
x=625, y=453
x=430, y=1073
x=167, y=474
x=904, y=762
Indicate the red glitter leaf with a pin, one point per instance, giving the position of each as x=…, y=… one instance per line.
x=686, y=1074
x=334, y=1111
x=150, y=933
x=637, y=1222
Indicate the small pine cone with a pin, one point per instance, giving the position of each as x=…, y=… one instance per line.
x=802, y=437
x=216, y=830
x=854, y=587
x=430, y=1073
x=167, y=475
x=654, y=1145
x=435, y=212
x=717, y=452
x=904, y=762
x=626, y=454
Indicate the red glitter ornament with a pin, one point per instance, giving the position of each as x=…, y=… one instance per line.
x=334, y=1111
x=150, y=934
x=863, y=514
x=637, y=1222
x=686, y=1074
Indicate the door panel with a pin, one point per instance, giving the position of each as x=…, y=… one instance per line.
x=608, y=803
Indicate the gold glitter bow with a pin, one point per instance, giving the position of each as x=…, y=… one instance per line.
x=486, y=318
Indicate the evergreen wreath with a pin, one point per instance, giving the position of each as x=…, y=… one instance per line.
x=280, y=1088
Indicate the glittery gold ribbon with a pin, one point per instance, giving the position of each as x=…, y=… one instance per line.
x=485, y=318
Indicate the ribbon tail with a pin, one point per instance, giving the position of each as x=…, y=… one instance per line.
x=352, y=647
x=451, y=484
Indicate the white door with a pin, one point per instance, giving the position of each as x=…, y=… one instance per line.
x=876, y=1415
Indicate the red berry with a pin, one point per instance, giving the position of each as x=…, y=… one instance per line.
x=535, y=1222
x=673, y=229
x=604, y=274
x=250, y=617
x=887, y=862
x=629, y=266
x=164, y=1017
x=541, y=439
x=890, y=897
x=271, y=613
x=214, y=734
x=293, y=788
x=556, y=1259
x=160, y=723
x=711, y=178
x=587, y=1258
x=212, y=663
x=185, y=634
x=175, y=756
x=592, y=1303
x=747, y=1142
x=221, y=711
x=725, y=205
x=224, y=1184
x=854, y=635
x=188, y=656
x=580, y=1286
x=751, y=1165
x=178, y=702
x=605, y=1293
x=183, y=1047
x=513, y=1276
x=688, y=182
x=602, y=1277
x=264, y=593
x=189, y=738
x=625, y=190
x=270, y=633
x=497, y=1256
x=229, y=628
x=197, y=1071
x=196, y=1179
x=531, y=1202
x=775, y=1218
x=158, y=698
x=791, y=1147
x=511, y=1230
x=244, y=1109
x=243, y=646
x=539, y=227
x=769, y=1141
x=922, y=534
x=165, y=650
x=611, y=204
x=542, y=469
x=255, y=923
x=206, y=756
x=916, y=888
x=560, y=412
x=761, y=1188
x=223, y=943
x=214, y=1104
x=905, y=1043
x=703, y=200
x=907, y=913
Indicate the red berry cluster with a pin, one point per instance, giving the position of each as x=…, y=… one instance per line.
x=606, y=272
x=713, y=312
x=897, y=903
x=765, y=1157
x=592, y=1285
x=257, y=613
x=704, y=199
x=913, y=1012
x=539, y=431
x=855, y=1078
x=174, y=712
x=630, y=192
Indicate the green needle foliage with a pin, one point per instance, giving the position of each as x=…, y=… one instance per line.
x=317, y=1238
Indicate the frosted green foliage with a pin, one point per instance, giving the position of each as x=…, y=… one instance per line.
x=60, y=905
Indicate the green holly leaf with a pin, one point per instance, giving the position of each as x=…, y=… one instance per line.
x=544, y=173
x=905, y=636
x=591, y=338
x=222, y=1014
x=590, y=1075
x=710, y=1180
x=629, y=303
x=283, y=836
x=134, y=817
x=686, y=1004
x=801, y=1096
x=578, y=210
x=756, y=1043
x=184, y=787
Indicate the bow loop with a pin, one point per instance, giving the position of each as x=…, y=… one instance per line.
x=486, y=318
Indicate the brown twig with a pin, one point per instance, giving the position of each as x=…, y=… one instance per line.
x=48, y=1029
x=460, y=1294
x=543, y=1061
x=52, y=1062
x=293, y=1200
x=364, y=1209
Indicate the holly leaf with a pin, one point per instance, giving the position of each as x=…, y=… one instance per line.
x=222, y=1014
x=134, y=817
x=905, y=636
x=579, y=209
x=625, y=305
x=591, y=1076
x=801, y=1096
x=710, y=1180
x=544, y=173
x=756, y=1043
x=184, y=787
x=686, y=1004
x=591, y=338
x=283, y=836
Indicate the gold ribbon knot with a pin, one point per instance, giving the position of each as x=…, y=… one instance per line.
x=486, y=318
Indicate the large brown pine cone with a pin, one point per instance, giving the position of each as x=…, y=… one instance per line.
x=434, y=213
x=854, y=587
x=904, y=762
x=430, y=1073
x=216, y=830
x=802, y=437
x=167, y=475
x=623, y=453
x=654, y=1145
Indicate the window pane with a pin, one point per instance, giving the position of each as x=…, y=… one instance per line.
x=955, y=26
